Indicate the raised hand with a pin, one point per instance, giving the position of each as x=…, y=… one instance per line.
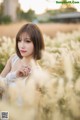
x=23, y=71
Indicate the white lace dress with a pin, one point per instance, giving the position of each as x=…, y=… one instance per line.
x=11, y=76
x=10, y=81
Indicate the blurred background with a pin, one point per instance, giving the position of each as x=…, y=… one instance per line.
x=59, y=21
x=51, y=15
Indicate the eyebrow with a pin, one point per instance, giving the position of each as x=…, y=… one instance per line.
x=25, y=38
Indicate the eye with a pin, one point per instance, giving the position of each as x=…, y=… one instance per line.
x=27, y=41
x=19, y=40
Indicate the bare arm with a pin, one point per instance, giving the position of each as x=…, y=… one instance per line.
x=7, y=68
x=22, y=71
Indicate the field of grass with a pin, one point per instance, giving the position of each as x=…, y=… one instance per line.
x=48, y=29
x=53, y=92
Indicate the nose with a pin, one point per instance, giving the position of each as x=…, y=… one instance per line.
x=22, y=44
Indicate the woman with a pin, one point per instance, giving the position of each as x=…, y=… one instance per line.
x=29, y=44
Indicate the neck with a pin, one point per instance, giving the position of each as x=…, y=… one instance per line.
x=27, y=61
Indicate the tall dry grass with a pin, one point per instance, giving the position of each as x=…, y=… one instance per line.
x=53, y=92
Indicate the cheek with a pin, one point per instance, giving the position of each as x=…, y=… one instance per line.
x=31, y=47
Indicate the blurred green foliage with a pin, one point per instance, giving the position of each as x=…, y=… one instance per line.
x=5, y=19
x=29, y=15
x=1, y=67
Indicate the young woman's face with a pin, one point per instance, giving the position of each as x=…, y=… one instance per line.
x=25, y=45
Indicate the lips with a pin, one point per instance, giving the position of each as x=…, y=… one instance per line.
x=22, y=51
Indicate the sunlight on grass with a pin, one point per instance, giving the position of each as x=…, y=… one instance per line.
x=52, y=93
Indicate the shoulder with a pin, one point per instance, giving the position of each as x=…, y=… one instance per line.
x=7, y=67
x=12, y=58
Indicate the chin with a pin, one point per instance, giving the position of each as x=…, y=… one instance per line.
x=23, y=55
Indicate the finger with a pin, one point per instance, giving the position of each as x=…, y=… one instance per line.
x=29, y=70
x=25, y=72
